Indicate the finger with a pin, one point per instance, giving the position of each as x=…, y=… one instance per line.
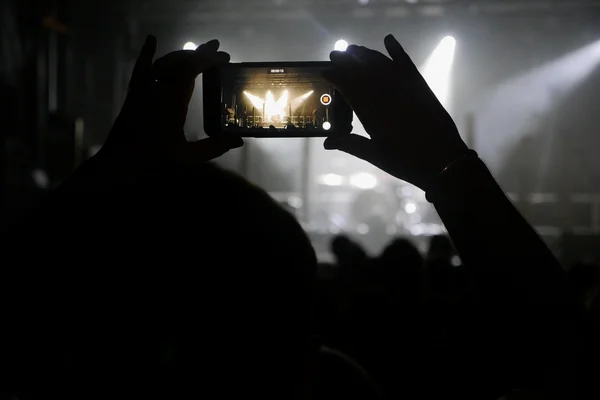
x=207, y=149
x=395, y=49
x=343, y=59
x=358, y=146
x=209, y=47
x=142, y=71
x=397, y=53
x=205, y=62
x=366, y=55
x=340, y=79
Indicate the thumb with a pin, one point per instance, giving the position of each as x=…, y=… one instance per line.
x=356, y=145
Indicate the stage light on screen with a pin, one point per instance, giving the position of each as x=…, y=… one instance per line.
x=255, y=100
x=363, y=181
x=326, y=99
x=190, y=46
x=275, y=110
x=303, y=97
x=326, y=126
x=438, y=68
x=341, y=45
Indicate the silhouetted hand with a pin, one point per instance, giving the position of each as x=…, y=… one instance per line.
x=412, y=135
x=150, y=125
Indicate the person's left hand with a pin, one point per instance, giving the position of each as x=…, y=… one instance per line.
x=150, y=125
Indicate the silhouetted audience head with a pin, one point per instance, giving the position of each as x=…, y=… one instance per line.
x=193, y=281
x=347, y=252
x=402, y=254
x=440, y=248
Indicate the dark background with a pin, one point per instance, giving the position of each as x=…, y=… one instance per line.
x=67, y=61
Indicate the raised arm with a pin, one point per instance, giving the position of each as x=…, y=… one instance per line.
x=520, y=283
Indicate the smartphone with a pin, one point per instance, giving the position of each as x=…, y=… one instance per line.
x=273, y=99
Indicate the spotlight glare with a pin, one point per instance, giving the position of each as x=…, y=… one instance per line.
x=341, y=45
x=438, y=69
x=190, y=46
x=363, y=181
x=326, y=126
x=332, y=180
x=410, y=208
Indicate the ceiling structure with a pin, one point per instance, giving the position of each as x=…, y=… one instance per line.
x=231, y=10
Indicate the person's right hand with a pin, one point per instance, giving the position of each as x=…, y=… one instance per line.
x=412, y=135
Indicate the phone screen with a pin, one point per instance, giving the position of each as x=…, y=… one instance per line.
x=277, y=100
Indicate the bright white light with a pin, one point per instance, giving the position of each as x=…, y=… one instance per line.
x=438, y=68
x=341, y=45
x=295, y=201
x=363, y=229
x=256, y=101
x=410, y=208
x=275, y=110
x=363, y=181
x=332, y=180
x=190, y=46
x=302, y=98
x=326, y=126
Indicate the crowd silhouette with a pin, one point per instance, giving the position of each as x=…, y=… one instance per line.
x=188, y=281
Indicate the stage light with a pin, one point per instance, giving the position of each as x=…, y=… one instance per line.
x=362, y=229
x=256, y=101
x=363, y=181
x=341, y=45
x=332, y=180
x=326, y=99
x=274, y=107
x=410, y=208
x=326, y=126
x=190, y=46
x=303, y=97
x=438, y=68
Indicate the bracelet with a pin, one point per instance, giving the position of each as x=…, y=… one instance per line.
x=430, y=193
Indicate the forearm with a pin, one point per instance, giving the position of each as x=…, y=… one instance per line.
x=493, y=239
x=524, y=294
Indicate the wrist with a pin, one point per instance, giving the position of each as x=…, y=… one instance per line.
x=450, y=169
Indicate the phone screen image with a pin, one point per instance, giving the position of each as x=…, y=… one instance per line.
x=280, y=100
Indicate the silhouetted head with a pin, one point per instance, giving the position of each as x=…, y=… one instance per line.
x=401, y=254
x=347, y=252
x=440, y=248
x=191, y=281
